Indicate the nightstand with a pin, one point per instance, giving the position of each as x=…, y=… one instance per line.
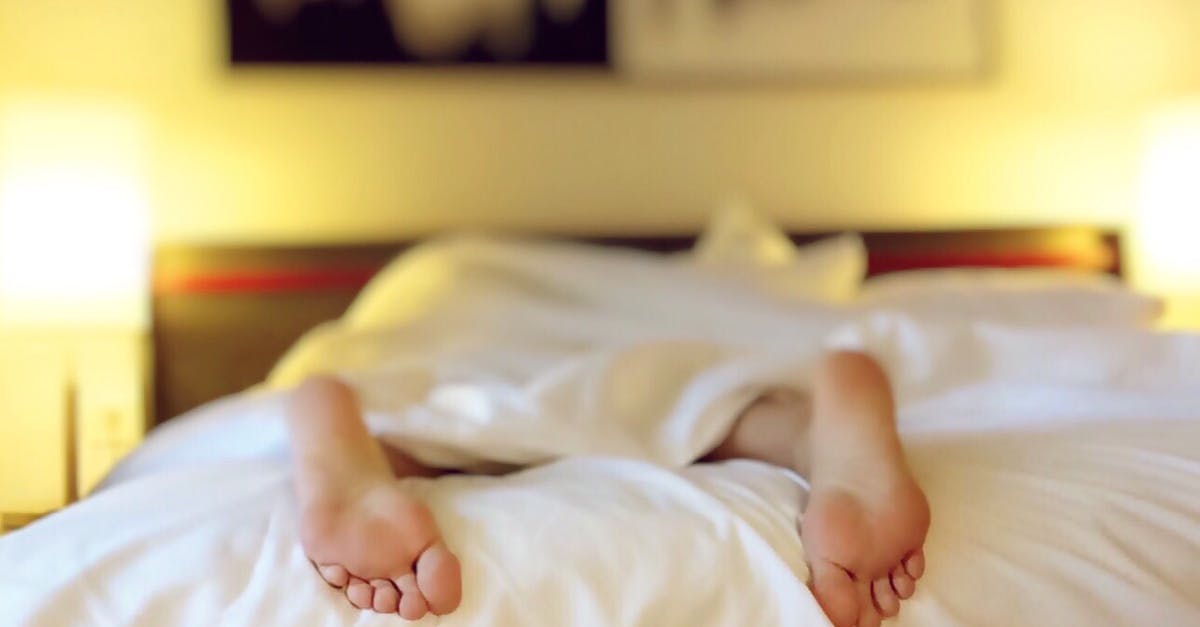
x=13, y=522
x=72, y=403
x=33, y=429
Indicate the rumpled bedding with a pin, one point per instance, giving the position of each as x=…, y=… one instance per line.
x=1062, y=463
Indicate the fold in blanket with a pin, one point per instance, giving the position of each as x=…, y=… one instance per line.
x=498, y=352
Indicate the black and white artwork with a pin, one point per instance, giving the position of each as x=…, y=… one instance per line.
x=442, y=32
x=654, y=39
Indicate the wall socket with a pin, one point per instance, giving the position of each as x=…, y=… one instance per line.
x=111, y=373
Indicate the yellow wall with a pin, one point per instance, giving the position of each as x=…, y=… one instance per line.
x=260, y=155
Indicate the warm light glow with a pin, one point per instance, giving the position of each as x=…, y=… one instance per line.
x=73, y=217
x=1167, y=253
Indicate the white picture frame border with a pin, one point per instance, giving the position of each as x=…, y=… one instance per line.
x=800, y=40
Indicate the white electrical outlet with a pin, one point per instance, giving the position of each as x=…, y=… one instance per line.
x=110, y=410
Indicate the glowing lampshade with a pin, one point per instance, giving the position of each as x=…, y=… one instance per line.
x=1166, y=256
x=73, y=216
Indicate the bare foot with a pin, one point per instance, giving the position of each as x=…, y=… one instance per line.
x=382, y=547
x=364, y=533
x=866, y=519
x=864, y=548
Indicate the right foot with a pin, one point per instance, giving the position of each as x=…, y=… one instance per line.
x=381, y=546
x=865, y=524
x=864, y=535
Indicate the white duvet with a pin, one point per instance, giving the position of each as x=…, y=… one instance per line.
x=1062, y=465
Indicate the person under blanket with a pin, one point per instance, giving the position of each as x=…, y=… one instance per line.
x=863, y=528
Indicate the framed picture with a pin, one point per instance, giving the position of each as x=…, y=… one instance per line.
x=645, y=39
x=420, y=32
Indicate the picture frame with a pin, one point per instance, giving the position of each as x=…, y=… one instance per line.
x=650, y=40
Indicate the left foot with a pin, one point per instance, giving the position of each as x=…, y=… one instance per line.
x=363, y=531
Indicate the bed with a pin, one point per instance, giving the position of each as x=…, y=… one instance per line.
x=1056, y=434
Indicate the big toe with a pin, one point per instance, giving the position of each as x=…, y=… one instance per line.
x=439, y=578
x=836, y=593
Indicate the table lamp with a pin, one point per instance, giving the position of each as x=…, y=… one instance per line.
x=73, y=291
x=1166, y=227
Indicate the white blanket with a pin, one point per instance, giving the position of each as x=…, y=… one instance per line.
x=1062, y=465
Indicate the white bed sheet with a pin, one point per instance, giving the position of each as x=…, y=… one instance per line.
x=1062, y=466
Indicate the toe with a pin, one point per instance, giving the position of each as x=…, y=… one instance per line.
x=439, y=579
x=334, y=575
x=886, y=600
x=870, y=619
x=914, y=564
x=903, y=584
x=835, y=591
x=413, y=605
x=868, y=616
x=387, y=598
x=360, y=593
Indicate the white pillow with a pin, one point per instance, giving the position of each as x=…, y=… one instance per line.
x=1015, y=296
x=741, y=242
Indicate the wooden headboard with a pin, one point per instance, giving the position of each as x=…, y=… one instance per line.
x=223, y=315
